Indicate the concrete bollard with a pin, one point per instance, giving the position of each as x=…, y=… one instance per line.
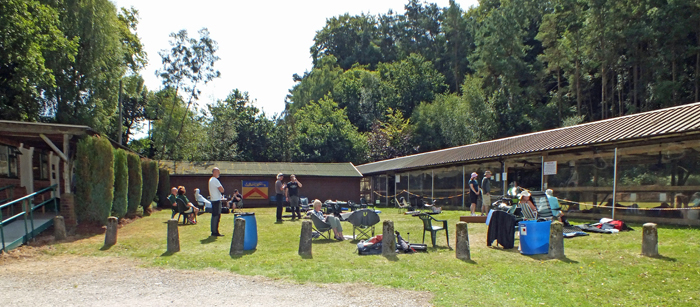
x=238, y=237
x=388, y=239
x=462, y=250
x=305, y=239
x=59, y=228
x=173, y=236
x=111, y=233
x=556, y=240
x=650, y=240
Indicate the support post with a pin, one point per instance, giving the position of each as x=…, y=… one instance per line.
x=305, y=239
x=67, y=170
x=650, y=240
x=388, y=239
x=59, y=228
x=238, y=237
x=173, y=237
x=614, y=184
x=111, y=233
x=462, y=251
x=556, y=240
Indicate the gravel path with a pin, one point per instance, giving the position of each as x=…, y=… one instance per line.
x=109, y=281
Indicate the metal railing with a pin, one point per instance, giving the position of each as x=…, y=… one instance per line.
x=9, y=195
x=28, y=214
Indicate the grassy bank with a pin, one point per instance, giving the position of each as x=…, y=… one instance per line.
x=599, y=269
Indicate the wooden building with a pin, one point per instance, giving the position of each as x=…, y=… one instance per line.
x=256, y=180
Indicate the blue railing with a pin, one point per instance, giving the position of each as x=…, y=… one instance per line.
x=28, y=214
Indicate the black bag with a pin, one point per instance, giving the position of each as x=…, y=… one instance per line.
x=225, y=210
x=369, y=249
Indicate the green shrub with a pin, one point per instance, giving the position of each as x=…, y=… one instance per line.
x=94, y=179
x=149, y=171
x=163, y=188
x=135, y=183
x=121, y=183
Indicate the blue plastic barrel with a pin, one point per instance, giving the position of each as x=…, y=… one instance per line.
x=534, y=237
x=250, y=239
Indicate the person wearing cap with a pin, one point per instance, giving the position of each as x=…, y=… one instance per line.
x=473, y=192
x=527, y=206
x=279, y=191
x=486, y=193
x=216, y=191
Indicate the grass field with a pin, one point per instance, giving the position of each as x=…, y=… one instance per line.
x=600, y=269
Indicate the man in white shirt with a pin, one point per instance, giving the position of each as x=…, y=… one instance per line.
x=215, y=192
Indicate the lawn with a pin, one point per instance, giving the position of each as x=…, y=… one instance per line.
x=599, y=269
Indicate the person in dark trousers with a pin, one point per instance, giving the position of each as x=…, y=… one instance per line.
x=280, y=188
x=216, y=191
x=293, y=195
x=473, y=192
x=486, y=193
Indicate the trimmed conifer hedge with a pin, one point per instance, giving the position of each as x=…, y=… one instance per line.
x=163, y=188
x=121, y=183
x=135, y=183
x=149, y=171
x=94, y=182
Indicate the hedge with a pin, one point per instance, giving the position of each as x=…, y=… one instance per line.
x=149, y=171
x=135, y=183
x=94, y=182
x=121, y=183
x=163, y=188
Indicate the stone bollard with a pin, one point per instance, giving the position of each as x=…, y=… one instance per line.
x=650, y=240
x=173, y=237
x=556, y=240
x=305, y=239
x=59, y=228
x=388, y=239
x=111, y=233
x=238, y=237
x=462, y=251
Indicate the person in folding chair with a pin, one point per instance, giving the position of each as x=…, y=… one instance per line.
x=527, y=207
x=329, y=219
x=191, y=208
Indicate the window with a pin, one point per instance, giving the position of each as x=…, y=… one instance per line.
x=40, y=166
x=8, y=161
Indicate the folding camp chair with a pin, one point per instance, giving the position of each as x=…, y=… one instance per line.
x=428, y=226
x=528, y=213
x=321, y=226
x=363, y=221
x=402, y=206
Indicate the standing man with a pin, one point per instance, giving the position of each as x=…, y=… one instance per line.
x=473, y=192
x=280, y=188
x=215, y=192
x=486, y=193
x=293, y=195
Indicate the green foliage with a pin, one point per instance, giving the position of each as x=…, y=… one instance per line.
x=168, y=110
x=163, y=187
x=135, y=183
x=121, y=183
x=94, y=179
x=324, y=134
x=149, y=169
x=390, y=139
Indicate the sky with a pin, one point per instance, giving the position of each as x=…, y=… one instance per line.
x=261, y=44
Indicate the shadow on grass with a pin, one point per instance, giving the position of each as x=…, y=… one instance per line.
x=208, y=240
x=245, y=253
x=392, y=258
x=468, y=261
x=105, y=247
x=664, y=258
x=325, y=241
x=167, y=254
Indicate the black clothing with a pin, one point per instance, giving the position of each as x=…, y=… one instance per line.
x=501, y=229
x=486, y=186
x=473, y=186
x=293, y=188
x=215, y=217
x=280, y=204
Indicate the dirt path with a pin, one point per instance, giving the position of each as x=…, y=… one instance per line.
x=108, y=281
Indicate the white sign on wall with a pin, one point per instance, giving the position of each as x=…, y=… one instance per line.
x=550, y=167
x=398, y=178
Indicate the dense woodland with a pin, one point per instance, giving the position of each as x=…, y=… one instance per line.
x=381, y=86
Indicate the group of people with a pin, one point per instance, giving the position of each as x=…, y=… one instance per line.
x=287, y=192
x=483, y=190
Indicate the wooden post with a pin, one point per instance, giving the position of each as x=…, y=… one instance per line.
x=59, y=228
x=305, y=239
x=462, y=251
x=388, y=239
x=238, y=237
x=111, y=233
x=556, y=240
x=173, y=236
x=650, y=240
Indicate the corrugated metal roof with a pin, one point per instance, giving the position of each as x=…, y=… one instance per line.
x=680, y=119
x=262, y=168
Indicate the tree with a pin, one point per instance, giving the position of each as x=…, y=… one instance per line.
x=315, y=84
x=30, y=32
x=359, y=92
x=407, y=83
x=350, y=40
x=323, y=133
x=390, y=139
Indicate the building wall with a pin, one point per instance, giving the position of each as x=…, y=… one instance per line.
x=323, y=188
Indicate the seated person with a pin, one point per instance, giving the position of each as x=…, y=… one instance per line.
x=527, y=207
x=171, y=198
x=329, y=219
x=235, y=199
x=203, y=202
x=554, y=205
x=191, y=208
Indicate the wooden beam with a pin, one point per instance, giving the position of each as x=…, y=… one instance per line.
x=55, y=149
